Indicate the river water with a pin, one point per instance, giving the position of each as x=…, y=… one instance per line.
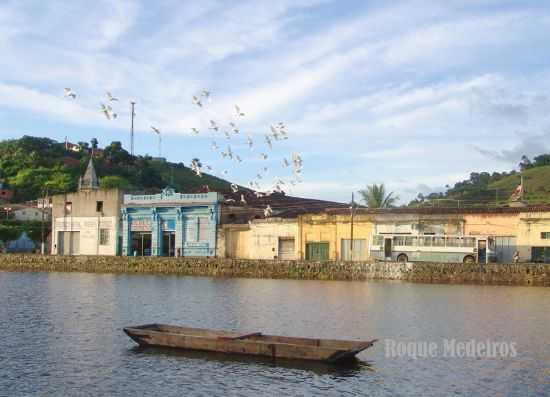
x=61, y=335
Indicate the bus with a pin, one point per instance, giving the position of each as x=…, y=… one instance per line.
x=433, y=248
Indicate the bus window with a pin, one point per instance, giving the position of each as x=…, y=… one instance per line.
x=454, y=242
x=410, y=241
x=425, y=241
x=399, y=240
x=378, y=240
x=469, y=241
x=439, y=242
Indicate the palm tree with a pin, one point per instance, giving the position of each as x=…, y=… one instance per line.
x=375, y=196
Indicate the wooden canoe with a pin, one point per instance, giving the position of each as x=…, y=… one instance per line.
x=328, y=350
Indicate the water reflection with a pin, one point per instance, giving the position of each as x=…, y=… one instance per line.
x=195, y=358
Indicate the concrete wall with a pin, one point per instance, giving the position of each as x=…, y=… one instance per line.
x=491, y=224
x=84, y=203
x=516, y=274
x=89, y=230
x=30, y=214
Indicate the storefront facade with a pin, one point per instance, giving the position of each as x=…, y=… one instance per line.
x=170, y=224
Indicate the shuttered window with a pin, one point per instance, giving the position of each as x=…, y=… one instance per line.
x=359, y=250
x=203, y=229
x=317, y=251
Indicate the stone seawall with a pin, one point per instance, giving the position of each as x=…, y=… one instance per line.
x=504, y=274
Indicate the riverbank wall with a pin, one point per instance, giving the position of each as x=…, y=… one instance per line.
x=500, y=274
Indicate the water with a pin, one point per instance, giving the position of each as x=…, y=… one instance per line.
x=61, y=335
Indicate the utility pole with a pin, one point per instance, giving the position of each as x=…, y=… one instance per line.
x=351, y=231
x=132, y=114
x=42, y=232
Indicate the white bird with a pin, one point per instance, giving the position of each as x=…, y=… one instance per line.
x=238, y=111
x=214, y=125
x=106, y=111
x=236, y=130
x=234, y=188
x=268, y=141
x=268, y=211
x=232, y=124
x=196, y=167
x=251, y=184
x=194, y=130
x=250, y=142
x=259, y=176
x=273, y=129
x=197, y=101
x=111, y=97
x=229, y=152
x=223, y=154
x=297, y=160
x=224, y=172
x=214, y=145
x=263, y=156
x=285, y=162
x=205, y=93
x=227, y=135
x=70, y=93
x=209, y=167
x=243, y=201
x=156, y=130
x=238, y=158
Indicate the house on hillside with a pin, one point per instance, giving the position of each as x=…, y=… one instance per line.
x=6, y=194
x=25, y=214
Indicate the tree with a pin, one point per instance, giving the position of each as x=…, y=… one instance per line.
x=114, y=182
x=525, y=163
x=94, y=143
x=375, y=196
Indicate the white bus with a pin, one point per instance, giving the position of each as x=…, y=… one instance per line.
x=433, y=248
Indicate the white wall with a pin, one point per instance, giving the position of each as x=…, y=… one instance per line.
x=30, y=214
x=89, y=233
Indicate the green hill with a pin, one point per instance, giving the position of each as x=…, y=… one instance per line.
x=495, y=189
x=30, y=164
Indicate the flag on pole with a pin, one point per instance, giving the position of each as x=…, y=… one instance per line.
x=517, y=194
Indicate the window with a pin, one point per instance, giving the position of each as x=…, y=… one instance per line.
x=99, y=206
x=203, y=229
x=545, y=235
x=378, y=240
x=68, y=208
x=410, y=241
x=103, y=236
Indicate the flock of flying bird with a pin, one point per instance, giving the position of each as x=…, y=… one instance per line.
x=230, y=130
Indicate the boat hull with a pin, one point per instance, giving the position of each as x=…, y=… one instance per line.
x=332, y=351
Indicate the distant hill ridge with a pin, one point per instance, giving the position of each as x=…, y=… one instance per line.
x=30, y=164
x=495, y=189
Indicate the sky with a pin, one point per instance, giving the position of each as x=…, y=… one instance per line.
x=413, y=94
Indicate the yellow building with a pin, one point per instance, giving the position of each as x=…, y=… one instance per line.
x=271, y=238
x=327, y=236
x=534, y=235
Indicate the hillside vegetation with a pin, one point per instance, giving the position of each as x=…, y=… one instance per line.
x=30, y=165
x=484, y=188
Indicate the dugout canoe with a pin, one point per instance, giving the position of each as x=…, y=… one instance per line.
x=256, y=343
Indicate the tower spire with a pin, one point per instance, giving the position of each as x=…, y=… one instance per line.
x=89, y=181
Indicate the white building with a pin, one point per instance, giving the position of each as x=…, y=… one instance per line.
x=30, y=214
x=86, y=222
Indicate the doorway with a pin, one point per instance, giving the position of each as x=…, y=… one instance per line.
x=141, y=244
x=168, y=243
x=482, y=251
x=387, y=248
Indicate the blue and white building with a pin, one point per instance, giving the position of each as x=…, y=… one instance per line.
x=170, y=224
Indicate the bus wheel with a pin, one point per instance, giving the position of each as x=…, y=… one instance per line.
x=402, y=258
x=469, y=259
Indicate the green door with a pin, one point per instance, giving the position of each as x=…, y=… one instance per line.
x=317, y=251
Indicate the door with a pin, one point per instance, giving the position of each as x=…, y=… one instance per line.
x=60, y=243
x=317, y=251
x=387, y=248
x=168, y=243
x=481, y=251
x=286, y=249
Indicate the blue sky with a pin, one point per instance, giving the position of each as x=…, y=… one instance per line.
x=414, y=94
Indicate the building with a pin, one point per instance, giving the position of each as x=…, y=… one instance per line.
x=6, y=194
x=533, y=235
x=328, y=235
x=86, y=222
x=270, y=238
x=170, y=224
x=31, y=214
